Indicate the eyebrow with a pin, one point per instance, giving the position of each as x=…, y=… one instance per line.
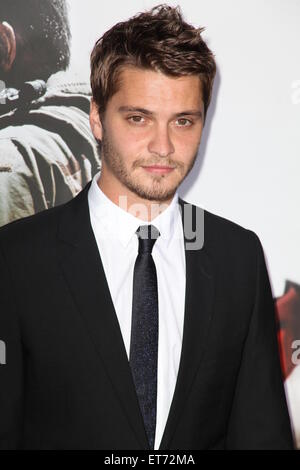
x=147, y=112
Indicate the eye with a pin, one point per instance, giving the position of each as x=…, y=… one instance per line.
x=184, y=122
x=135, y=119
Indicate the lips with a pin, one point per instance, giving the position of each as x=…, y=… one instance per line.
x=158, y=169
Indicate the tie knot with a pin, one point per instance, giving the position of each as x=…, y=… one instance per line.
x=147, y=236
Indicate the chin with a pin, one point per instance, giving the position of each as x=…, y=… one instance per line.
x=160, y=196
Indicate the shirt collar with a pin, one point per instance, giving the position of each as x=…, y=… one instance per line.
x=122, y=224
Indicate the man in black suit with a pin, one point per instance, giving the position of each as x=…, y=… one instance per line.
x=122, y=337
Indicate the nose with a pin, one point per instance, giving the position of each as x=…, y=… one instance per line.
x=160, y=142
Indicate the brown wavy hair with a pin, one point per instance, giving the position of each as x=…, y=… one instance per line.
x=159, y=40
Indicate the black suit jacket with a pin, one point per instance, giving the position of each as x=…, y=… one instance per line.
x=67, y=384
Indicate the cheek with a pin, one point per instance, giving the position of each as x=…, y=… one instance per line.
x=186, y=148
x=128, y=151
x=134, y=137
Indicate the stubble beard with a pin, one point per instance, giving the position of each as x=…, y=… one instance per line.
x=158, y=191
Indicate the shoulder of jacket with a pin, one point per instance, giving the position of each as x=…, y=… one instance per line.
x=31, y=227
x=219, y=229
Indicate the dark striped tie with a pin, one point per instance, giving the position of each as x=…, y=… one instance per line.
x=144, y=328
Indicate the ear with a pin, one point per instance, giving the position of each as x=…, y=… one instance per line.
x=95, y=122
x=8, y=40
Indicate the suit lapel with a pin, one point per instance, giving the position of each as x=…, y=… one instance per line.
x=82, y=267
x=198, y=312
x=83, y=270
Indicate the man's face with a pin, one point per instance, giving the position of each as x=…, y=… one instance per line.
x=151, y=121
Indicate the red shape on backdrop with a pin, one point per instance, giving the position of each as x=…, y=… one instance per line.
x=288, y=317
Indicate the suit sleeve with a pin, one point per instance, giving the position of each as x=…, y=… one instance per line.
x=11, y=369
x=259, y=416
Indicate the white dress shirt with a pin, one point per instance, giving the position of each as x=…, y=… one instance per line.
x=114, y=229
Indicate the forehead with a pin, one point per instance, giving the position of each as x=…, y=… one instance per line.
x=148, y=88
